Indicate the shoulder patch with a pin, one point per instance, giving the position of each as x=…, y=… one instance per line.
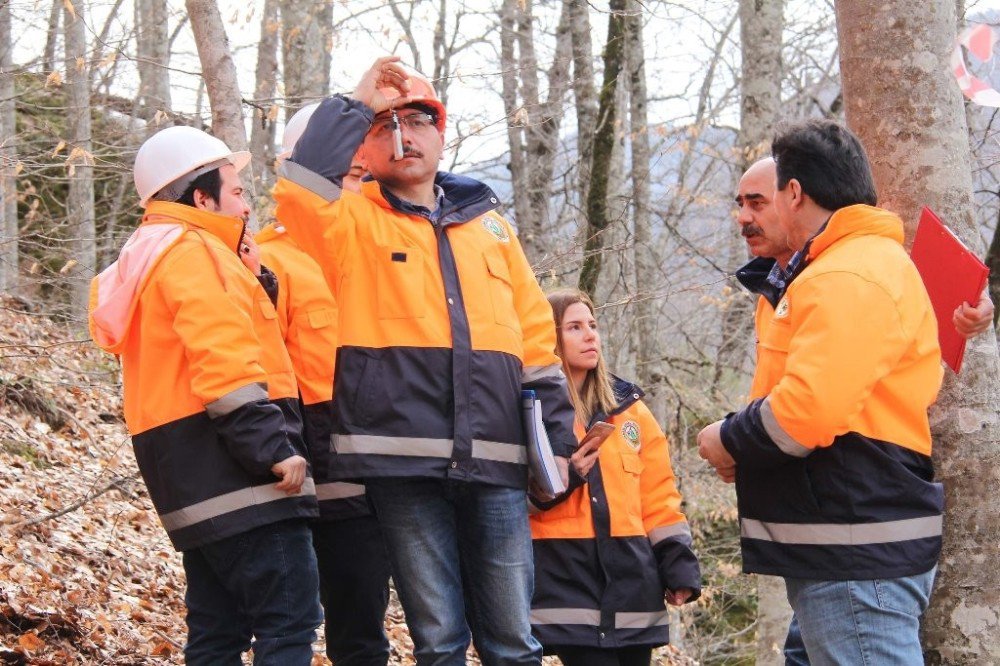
x=630, y=432
x=781, y=311
x=495, y=227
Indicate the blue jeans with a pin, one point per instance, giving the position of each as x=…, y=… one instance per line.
x=261, y=583
x=461, y=558
x=863, y=622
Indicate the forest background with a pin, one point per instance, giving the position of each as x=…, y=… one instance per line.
x=614, y=133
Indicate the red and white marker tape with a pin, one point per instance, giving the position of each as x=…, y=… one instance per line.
x=979, y=40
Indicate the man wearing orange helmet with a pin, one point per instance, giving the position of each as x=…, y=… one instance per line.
x=442, y=324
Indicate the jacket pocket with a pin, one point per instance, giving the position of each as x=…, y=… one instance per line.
x=501, y=291
x=314, y=335
x=399, y=283
x=633, y=466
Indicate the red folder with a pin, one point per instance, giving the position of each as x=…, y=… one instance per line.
x=952, y=275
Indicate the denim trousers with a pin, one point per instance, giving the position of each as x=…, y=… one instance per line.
x=857, y=622
x=354, y=589
x=262, y=584
x=461, y=559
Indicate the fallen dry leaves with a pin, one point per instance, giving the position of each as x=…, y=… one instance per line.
x=87, y=574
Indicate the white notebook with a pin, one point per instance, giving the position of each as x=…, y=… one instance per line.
x=541, y=461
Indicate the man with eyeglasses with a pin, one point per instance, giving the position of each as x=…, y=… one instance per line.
x=442, y=324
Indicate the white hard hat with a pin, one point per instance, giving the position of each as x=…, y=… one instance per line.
x=175, y=152
x=294, y=128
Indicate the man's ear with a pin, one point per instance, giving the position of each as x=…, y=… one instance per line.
x=202, y=201
x=797, y=195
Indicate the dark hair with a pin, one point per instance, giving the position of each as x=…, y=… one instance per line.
x=426, y=108
x=209, y=182
x=829, y=162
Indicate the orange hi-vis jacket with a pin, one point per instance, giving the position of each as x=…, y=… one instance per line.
x=606, y=551
x=442, y=322
x=307, y=316
x=210, y=396
x=834, y=475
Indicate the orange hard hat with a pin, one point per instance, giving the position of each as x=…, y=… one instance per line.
x=421, y=94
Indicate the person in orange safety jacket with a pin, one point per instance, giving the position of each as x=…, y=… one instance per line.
x=442, y=325
x=211, y=405
x=832, y=457
x=350, y=552
x=609, y=550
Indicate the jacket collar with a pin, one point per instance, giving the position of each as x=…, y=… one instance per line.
x=464, y=199
x=753, y=276
x=857, y=220
x=227, y=228
x=626, y=393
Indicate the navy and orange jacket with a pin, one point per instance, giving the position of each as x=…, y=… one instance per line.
x=834, y=476
x=606, y=551
x=210, y=396
x=442, y=321
x=307, y=316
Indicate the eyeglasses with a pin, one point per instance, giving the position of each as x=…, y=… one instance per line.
x=414, y=121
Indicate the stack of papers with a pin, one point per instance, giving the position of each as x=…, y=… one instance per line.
x=541, y=461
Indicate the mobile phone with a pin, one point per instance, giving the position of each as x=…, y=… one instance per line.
x=600, y=431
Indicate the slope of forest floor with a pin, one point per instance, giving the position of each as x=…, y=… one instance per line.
x=87, y=574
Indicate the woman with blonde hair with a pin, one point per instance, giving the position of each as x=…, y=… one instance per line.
x=615, y=545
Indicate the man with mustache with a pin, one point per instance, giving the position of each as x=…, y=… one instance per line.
x=765, y=275
x=442, y=324
x=831, y=458
x=211, y=404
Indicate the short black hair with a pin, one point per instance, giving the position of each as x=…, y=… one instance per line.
x=209, y=182
x=829, y=162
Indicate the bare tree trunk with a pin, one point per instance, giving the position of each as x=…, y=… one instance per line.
x=761, y=25
x=643, y=252
x=8, y=157
x=604, y=139
x=51, y=35
x=218, y=73
x=304, y=52
x=908, y=113
x=516, y=117
x=152, y=39
x=263, y=126
x=533, y=126
x=584, y=93
x=80, y=199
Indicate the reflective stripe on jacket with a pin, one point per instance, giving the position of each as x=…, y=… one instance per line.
x=606, y=553
x=834, y=476
x=307, y=316
x=210, y=397
x=442, y=323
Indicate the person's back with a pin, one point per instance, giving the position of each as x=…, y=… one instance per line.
x=211, y=404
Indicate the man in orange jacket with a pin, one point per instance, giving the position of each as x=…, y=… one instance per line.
x=350, y=552
x=210, y=402
x=832, y=458
x=442, y=325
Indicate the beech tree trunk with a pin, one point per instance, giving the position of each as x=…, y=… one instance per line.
x=152, y=41
x=262, y=130
x=906, y=108
x=584, y=93
x=80, y=163
x=218, y=72
x=8, y=157
x=604, y=139
x=305, y=58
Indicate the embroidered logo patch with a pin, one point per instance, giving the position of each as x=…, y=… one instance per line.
x=630, y=431
x=782, y=309
x=496, y=228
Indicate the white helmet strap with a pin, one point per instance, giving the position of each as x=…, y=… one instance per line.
x=177, y=188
